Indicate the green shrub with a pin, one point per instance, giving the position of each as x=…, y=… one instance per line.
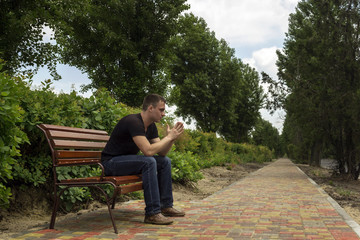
x=75, y=196
x=295, y=152
x=187, y=142
x=11, y=135
x=32, y=170
x=101, y=111
x=185, y=167
x=42, y=105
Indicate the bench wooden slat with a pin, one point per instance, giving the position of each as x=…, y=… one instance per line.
x=117, y=180
x=77, y=136
x=131, y=188
x=72, y=129
x=61, y=154
x=77, y=161
x=77, y=144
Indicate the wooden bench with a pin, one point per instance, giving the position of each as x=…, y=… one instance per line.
x=75, y=147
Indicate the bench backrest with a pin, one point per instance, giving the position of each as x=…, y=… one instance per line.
x=74, y=146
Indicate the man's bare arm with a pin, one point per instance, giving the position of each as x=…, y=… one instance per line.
x=149, y=149
x=166, y=148
x=157, y=146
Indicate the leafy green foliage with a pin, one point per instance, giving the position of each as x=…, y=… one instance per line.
x=11, y=134
x=185, y=167
x=32, y=170
x=211, y=86
x=319, y=67
x=121, y=45
x=75, y=196
x=209, y=150
x=21, y=36
x=266, y=135
x=100, y=111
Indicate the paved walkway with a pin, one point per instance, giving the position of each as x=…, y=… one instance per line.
x=275, y=202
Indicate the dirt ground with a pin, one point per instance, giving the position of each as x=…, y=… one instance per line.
x=36, y=217
x=344, y=191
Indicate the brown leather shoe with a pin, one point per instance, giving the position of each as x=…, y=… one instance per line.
x=172, y=212
x=157, y=219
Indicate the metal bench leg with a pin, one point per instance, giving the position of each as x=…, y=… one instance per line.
x=116, y=192
x=55, y=208
x=112, y=219
x=53, y=215
x=109, y=208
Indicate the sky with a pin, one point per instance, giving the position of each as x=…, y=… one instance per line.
x=255, y=29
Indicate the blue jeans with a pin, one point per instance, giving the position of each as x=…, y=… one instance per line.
x=156, y=177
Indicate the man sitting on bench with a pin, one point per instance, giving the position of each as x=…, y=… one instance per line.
x=138, y=132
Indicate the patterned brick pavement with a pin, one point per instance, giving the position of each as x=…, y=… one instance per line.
x=275, y=202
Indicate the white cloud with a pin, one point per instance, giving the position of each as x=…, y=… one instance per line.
x=264, y=60
x=247, y=21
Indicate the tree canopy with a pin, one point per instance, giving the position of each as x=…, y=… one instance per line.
x=121, y=45
x=211, y=85
x=266, y=134
x=319, y=65
x=21, y=35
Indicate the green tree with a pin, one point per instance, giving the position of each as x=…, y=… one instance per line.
x=319, y=65
x=21, y=35
x=247, y=103
x=210, y=85
x=292, y=141
x=194, y=64
x=121, y=45
x=266, y=134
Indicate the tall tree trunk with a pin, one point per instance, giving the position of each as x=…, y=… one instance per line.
x=350, y=155
x=340, y=154
x=316, y=153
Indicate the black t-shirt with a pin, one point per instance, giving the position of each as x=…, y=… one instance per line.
x=121, y=139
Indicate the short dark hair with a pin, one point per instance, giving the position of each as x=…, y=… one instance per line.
x=152, y=99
